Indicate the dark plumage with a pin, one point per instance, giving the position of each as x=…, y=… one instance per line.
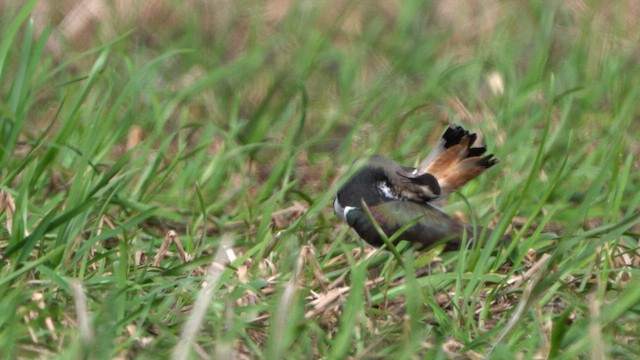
x=396, y=195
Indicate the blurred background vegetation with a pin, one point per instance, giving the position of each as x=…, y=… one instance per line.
x=127, y=124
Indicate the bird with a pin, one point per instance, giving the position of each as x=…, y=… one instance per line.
x=397, y=195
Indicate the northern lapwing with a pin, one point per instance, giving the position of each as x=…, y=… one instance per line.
x=396, y=195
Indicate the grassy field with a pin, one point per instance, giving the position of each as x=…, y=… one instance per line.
x=167, y=173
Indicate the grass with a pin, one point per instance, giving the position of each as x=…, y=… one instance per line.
x=167, y=175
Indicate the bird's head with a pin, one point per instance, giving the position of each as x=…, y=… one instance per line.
x=416, y=187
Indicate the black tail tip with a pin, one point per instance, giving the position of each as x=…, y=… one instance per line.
x=488, y=161
x=453, y=135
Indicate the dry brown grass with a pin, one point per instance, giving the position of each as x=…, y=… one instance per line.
x=81, y=25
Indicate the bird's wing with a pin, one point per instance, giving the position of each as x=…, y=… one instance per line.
x=431, y=226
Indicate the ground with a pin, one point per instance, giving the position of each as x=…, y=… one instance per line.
x=167, y=173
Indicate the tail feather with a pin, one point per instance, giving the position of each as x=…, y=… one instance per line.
x=454, y=161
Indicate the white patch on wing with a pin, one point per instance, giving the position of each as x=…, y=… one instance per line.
x=386, y=191
x=346, y=211
x=341, y=211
